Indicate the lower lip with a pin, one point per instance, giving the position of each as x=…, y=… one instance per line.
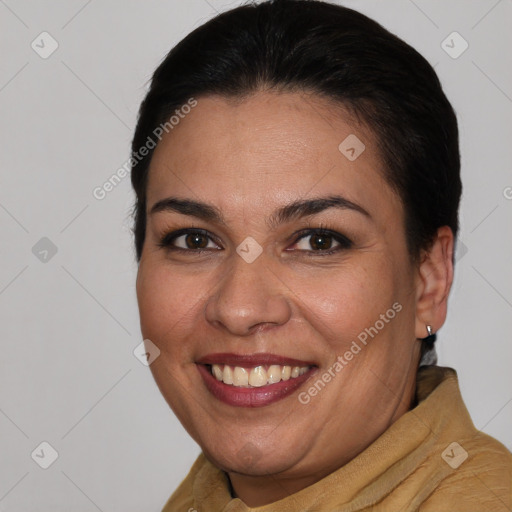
x=250, y=397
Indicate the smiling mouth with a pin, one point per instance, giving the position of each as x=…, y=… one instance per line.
x=253, y=380
x=257, y=376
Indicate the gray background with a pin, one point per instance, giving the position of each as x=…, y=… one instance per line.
x=68, y=375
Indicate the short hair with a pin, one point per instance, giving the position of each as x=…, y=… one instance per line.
x=339, y=54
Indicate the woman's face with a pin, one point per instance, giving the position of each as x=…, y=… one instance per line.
x=274, y=258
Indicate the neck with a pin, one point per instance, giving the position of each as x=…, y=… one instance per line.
x=257, y=491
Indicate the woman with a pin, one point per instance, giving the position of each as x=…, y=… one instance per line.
x=297, y=182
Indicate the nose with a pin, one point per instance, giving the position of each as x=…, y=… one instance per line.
x=248, y=297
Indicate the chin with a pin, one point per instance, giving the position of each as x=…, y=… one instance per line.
x=252, y=460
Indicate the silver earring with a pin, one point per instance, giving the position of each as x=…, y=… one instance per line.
x=431, y=336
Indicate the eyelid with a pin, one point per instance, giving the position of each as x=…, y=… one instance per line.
x=167, y=239
x=343, y=240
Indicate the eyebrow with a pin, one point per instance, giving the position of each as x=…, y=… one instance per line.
x=293, y=211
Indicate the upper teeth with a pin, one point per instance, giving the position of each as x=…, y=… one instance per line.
x=257, y=376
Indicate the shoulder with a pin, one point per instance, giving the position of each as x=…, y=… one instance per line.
x=467, y=470
x=479, y=477
x=183, y=497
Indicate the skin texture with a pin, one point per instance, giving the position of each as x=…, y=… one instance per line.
x=248, y=158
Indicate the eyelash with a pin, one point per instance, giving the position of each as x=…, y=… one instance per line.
x=344, y=242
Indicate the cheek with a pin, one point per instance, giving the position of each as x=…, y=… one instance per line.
x=166, y=300
x=342, y=302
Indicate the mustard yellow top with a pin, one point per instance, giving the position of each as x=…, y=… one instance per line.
x=432, y=459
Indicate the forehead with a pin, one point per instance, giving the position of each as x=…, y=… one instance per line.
x=266, y=149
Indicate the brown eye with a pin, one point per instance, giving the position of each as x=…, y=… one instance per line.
x=196, y=241
x=188, y=240
x=320, y=242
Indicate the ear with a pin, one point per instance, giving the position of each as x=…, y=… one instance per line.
x=434, y=280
